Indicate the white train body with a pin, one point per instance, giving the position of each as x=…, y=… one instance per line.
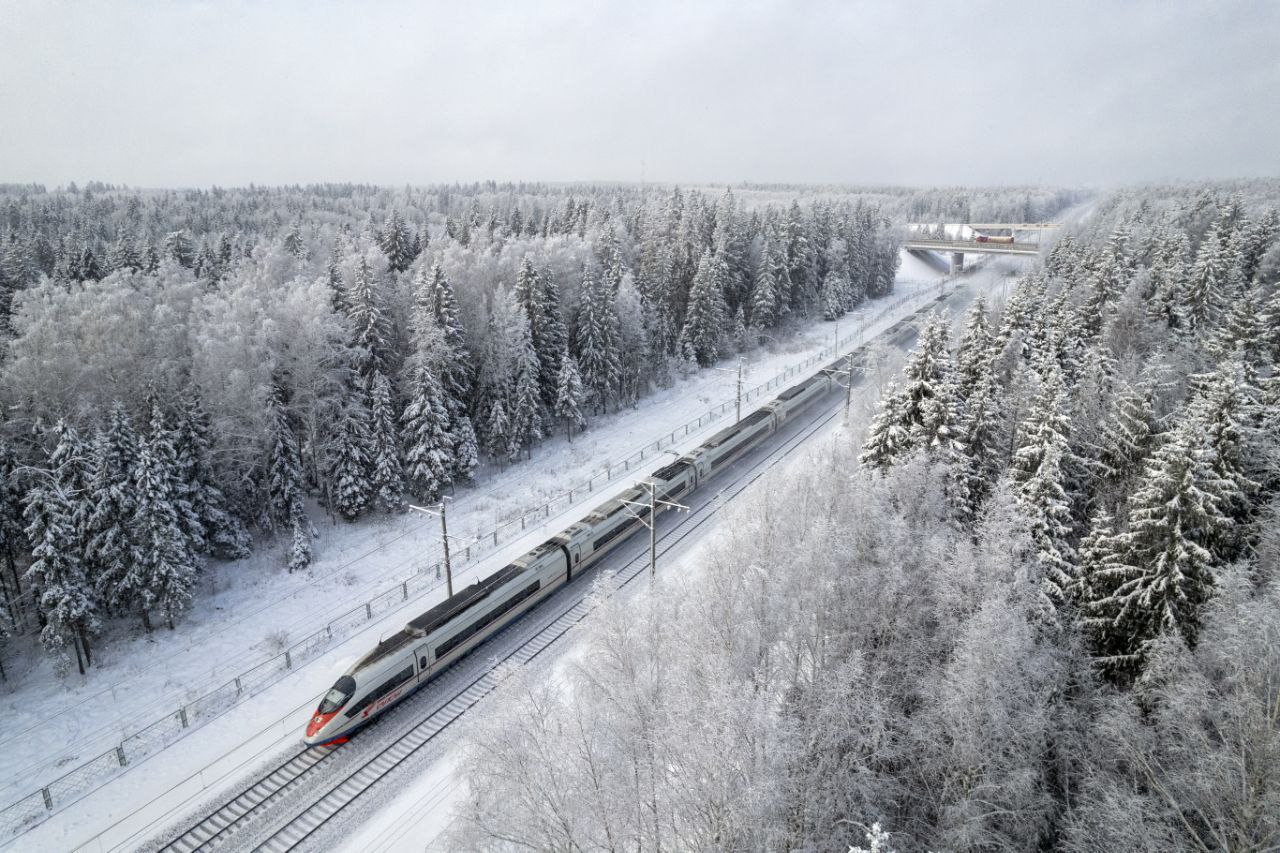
x=436, y=639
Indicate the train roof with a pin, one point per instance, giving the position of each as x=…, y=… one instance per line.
x=798, y=388
x=729, y=432
x=437, y=616
x=671, y=470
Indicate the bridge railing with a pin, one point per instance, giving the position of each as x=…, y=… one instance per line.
x=972, y=245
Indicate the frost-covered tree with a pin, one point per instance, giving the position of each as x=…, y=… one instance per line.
x=498, y=430
x=974, y=353
x=1126, y=437
x=110, y=549
x=1166, y=565
x=397, y=243
x=220, y=532
x=387, y=473
x=569, y=395
x=526, y=413
x=167, y=566
x=1045, y=507
x=889, y=437
x=704, y=324
x=63, y=594
x=425, y=434
x=350, y=460
x=370, y=327
x=284, y=465
x=597, y=341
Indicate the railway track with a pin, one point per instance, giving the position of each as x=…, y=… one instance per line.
x=220, y=826
x=252, y=803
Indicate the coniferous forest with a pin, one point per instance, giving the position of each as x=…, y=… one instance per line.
x=1035, y=604
x=186, y=373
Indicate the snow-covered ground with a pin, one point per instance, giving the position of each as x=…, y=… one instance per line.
x=414, y=817
x=251, y=609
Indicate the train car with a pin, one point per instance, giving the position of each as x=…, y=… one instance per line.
x=436, y=639
x=983, y=238
x=431, y=642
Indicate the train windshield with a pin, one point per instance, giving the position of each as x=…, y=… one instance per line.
x=338, y=695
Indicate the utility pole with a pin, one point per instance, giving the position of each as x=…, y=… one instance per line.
x=444, y=538
x=651, y=521
x=738, y=405
x=848, y=391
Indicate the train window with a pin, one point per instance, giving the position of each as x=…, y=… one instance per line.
x=382, y=690
x=422, y=664
x=338, y=695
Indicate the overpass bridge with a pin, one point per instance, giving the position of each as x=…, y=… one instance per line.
x=975, y=238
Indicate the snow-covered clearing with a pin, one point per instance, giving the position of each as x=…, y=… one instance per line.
x=251, y=610
x=417, y=815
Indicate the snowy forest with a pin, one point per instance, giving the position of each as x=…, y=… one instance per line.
x=186, y=373
x=1035, y=604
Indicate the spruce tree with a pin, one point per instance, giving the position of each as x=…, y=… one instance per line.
x=110, y=549
x=889, y=437
x=498, y=430
x=12, y=539
x=764, y=292
x=396, y=243
x=167, y=567
x=350, y=460
x=386, y=471
x=466, y=450
x=597, y=341
x=220, y=532
x=977, y=456
x=1204, y=292
x=371, y=331
x=1126, y=437
x=284, y=464
x=1165, y=569
x=552, y=339
x=705, y=319
x=526, y=414
x=455, y=373
x=57, y=574
x=1046, y=425
x=974, y=353
x=426, y=436
x=1044, y=505
x=569, y=395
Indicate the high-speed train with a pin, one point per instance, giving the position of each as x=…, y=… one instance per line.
x=433, y=641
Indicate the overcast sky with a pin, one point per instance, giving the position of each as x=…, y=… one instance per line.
x=195, y=93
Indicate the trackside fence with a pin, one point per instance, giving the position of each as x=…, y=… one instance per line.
x=424, y=577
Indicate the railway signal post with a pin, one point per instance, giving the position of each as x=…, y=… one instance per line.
x=651, y=521
x=847, y=373
x=444, y=538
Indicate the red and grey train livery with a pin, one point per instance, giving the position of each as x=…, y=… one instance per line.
x=431, y=642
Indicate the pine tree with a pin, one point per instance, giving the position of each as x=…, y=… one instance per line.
x=110, y=550
x=12, y=538
x=764, y=293
x=167, y=567
x=977, y=456
x=705, y=318
x=466, y=450
x=1046, y=425
x=889, y=437
x=1126, y=438
x=426, y=436
x=1165, y=568
x=57, y=574
x=300, y=535
x=350, y=459
x=526, y=414
x=1044, y=505
x=597, y=341
x=569, y=395
x=1224, y=413
x=498, y=430
x=386, y=471
x=396, y=244
x=833, y=296
x=219, y=531
x=1203, y=295
x=974, y=353
x=552, y=340
x=455, y=374
x=369, y=324
x=284, y=464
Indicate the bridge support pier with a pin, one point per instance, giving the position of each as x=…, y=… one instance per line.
x=957, y=262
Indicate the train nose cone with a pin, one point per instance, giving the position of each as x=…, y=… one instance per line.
x=317, y=723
